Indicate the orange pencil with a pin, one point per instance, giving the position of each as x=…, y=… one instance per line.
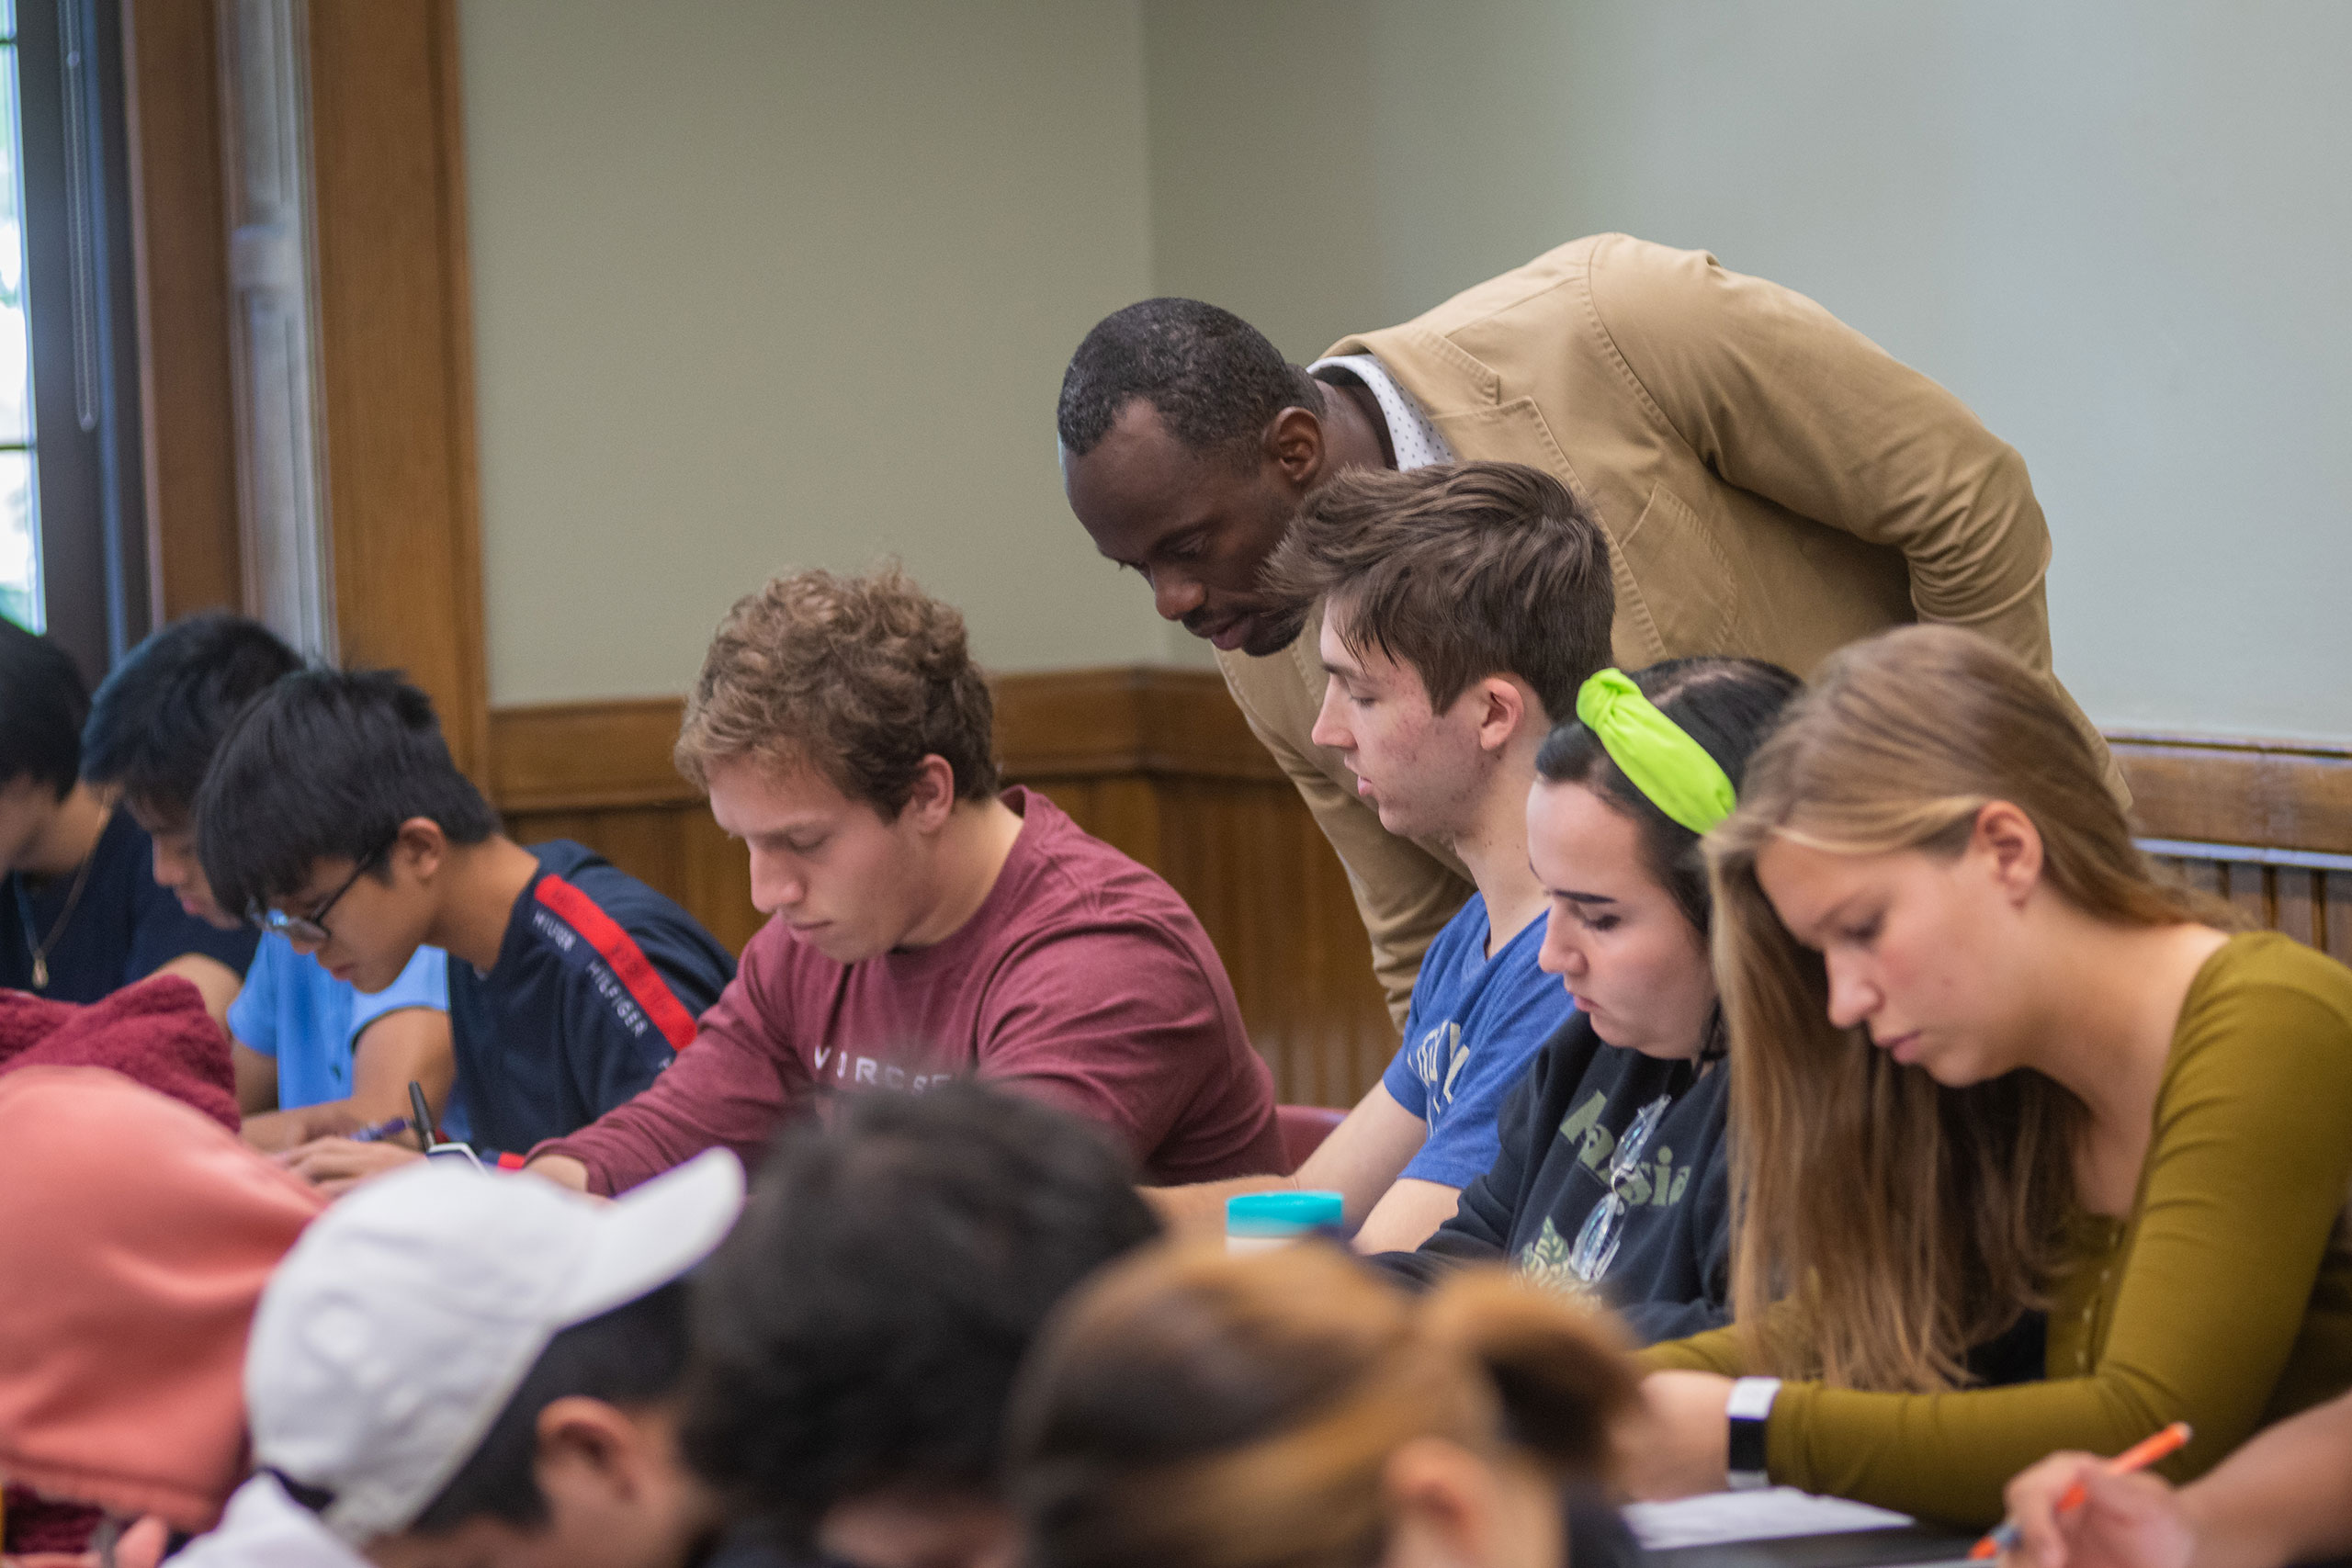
x=2139, y=1456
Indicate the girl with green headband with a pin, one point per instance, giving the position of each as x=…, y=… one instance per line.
x=1611, y=1179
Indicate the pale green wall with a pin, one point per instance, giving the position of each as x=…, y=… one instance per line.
x=775, y=281
x=2121, y=230
x=764, y=284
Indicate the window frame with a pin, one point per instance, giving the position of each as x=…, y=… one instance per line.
x=82, y=310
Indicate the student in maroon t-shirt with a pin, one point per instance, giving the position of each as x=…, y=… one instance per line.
x=926, y=924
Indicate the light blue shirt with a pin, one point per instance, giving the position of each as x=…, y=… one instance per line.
x=294, y=1010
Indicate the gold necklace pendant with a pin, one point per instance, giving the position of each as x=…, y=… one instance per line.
x=40, y=972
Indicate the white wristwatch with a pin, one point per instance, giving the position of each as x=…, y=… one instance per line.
x=1751, y=1404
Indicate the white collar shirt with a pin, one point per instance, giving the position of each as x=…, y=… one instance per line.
x=1410, y=434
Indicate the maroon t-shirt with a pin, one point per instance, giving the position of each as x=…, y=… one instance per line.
x=1082, y=980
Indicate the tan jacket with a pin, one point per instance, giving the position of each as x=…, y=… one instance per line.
x=1772, y=483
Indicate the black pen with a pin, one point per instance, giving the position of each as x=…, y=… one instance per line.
x=426, y=1135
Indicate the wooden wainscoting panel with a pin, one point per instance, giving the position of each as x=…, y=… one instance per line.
x=2297, y=904
x=2264, y=793
x=2264, y=825
x=1071, y=722
x=1191, y=729
x=568, y=755
x=1144, y=719
x=2247, y=888
x=2309, y=897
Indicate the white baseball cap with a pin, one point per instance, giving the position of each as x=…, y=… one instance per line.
x=399, y=1326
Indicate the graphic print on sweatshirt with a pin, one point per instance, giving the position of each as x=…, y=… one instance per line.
x=1652, y=1182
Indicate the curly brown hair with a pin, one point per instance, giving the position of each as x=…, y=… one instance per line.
x=859, y=678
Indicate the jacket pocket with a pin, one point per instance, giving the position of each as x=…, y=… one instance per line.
x=1681, y=577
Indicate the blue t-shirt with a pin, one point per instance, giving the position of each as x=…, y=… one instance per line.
x=1474, y=1025
x=122, y=928
x=599, y=981
x=292, y=1010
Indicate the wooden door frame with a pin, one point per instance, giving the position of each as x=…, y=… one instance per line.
x=395, y=333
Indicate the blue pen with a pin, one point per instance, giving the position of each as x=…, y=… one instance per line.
x=380, y=1131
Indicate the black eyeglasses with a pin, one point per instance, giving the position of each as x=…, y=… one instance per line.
x=312, y=928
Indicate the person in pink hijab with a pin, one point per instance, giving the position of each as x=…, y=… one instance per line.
x=136, y=1233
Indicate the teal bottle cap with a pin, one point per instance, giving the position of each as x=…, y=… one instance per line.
x=1283, y=1213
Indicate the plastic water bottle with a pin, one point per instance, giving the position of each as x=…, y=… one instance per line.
x=1260, y=1221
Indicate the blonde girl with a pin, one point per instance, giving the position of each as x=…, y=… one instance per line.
x=2030, y=1153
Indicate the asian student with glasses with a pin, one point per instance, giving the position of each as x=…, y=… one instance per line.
x=335, y=816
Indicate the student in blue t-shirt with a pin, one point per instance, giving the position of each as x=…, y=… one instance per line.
x=313, y=1055
x=81, y=915
x=1460, y=608
x=333, y=810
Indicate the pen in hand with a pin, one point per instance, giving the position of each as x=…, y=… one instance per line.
x=2005, y=1536
x=423, y=1115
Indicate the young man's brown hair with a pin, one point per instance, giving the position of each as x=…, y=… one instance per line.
x=1460, y=571
x=859, y=678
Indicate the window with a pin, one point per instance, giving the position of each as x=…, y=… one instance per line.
x=20, y=595
x=73, y=514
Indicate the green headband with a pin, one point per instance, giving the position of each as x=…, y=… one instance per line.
x=1657, y=753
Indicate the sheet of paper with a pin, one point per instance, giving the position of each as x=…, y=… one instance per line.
x=1774, y=1513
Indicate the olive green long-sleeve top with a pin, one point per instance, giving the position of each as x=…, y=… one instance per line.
x=2224, y=1298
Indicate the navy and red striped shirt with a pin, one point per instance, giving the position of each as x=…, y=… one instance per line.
x=598, y=986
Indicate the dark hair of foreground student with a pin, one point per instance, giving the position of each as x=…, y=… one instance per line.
x=1196, y=1410
x=326, y=765
x=43, y=703
x=858, y=1332
x=158, y=718
x=1728, y=707
x=632, y=1357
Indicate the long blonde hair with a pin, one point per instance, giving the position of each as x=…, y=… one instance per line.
x=1963, y=1193
x=1191, y=1410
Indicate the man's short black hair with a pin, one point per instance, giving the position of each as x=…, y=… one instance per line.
x=156, y=721
x=326, y=765
x=632, y=1357
x=42, y=703
x=1215, y=380
x=859, y=1330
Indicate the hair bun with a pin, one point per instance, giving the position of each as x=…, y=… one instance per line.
x=1559, y=1369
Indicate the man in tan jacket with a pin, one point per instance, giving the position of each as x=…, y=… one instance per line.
x=1772, y=483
